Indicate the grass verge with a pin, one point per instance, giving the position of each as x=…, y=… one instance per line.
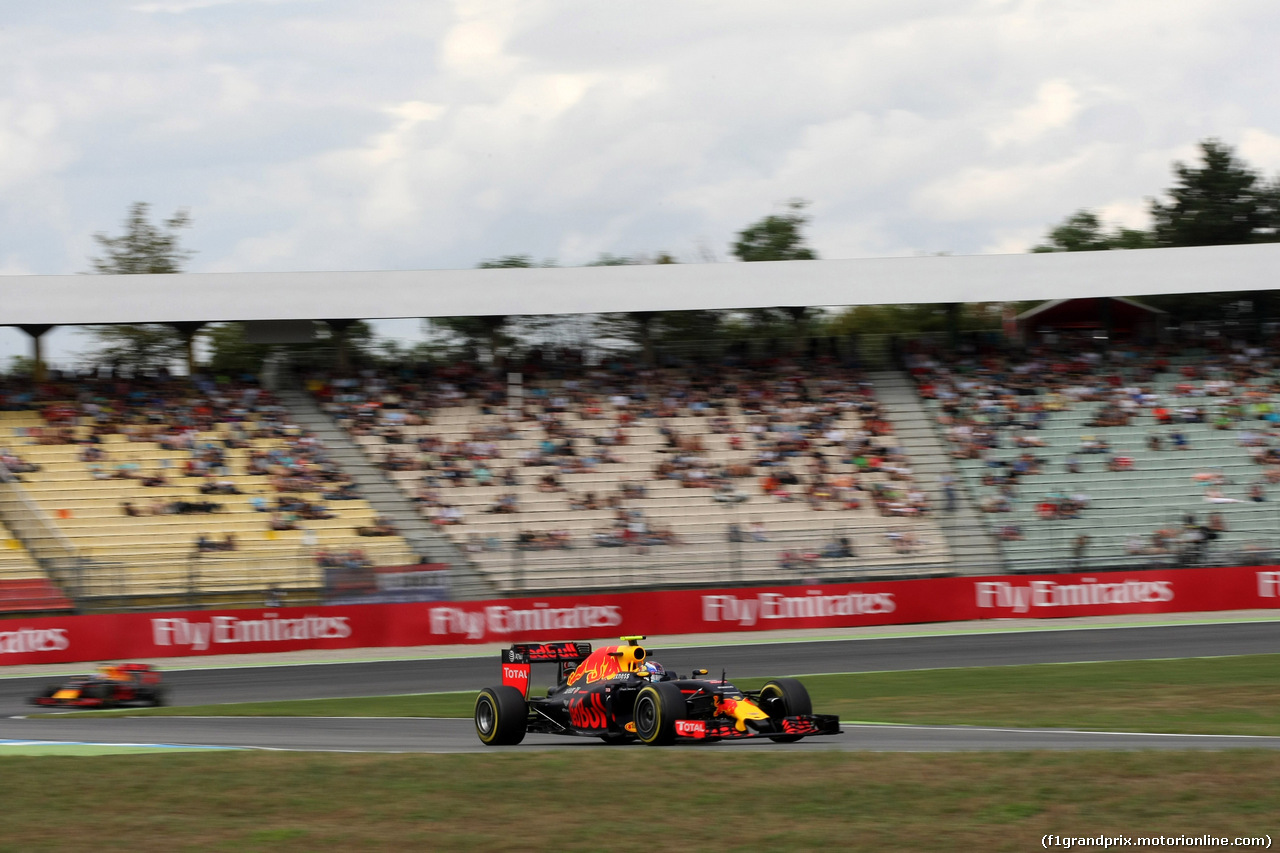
x=630, y=800
x=1235, y=695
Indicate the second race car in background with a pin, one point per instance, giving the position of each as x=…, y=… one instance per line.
x=108, y=687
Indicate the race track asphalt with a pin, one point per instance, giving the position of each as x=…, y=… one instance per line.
x=265, y=683
x=343, y=734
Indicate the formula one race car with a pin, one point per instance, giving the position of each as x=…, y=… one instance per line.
x=109, y=686
x=616, y=693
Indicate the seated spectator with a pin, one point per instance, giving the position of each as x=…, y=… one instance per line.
x=380, y=526
x=838, y=548
x=1093, y=444
x=505, y=504
x=727, y=494
x=608, y=537
x=1009, y=533
x=448, y=514
x=280, y=521
x=344, y=492
x=126, y=471
x=314, y=512
x=218, y=487
x=191, y=507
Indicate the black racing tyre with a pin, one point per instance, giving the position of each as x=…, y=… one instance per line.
x=501, y=716
x=159, y=697
x=657, y=708
x=785, y=697
x=47, y=693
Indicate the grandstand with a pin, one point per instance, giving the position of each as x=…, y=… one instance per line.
x=878, y=481
x=1144, y=456
x=143, y=543
x=698, y=524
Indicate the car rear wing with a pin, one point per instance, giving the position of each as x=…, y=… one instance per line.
x=517, y=661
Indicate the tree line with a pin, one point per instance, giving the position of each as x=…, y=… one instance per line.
x=1221, y=200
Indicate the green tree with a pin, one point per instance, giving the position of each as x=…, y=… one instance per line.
x=1222, y=202
x=777, y=237
x=230, y=351
x=645, y=329
x=490, y=332
x=144, y=248
x=1083, y=231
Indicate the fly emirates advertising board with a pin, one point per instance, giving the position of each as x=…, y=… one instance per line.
x=135, y=636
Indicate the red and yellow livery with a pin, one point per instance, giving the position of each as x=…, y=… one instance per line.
x=620, y=694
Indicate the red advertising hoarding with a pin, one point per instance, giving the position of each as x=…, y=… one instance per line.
x=161, y=635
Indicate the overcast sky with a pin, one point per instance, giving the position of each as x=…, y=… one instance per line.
x=409, y=135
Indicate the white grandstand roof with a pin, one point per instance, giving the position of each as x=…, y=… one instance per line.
x=83, y=299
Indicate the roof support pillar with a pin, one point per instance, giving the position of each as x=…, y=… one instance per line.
x=341, y=355
x=37, y=350
x=188, y=331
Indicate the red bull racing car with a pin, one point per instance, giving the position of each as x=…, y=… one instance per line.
x=109, y=686
x=618, y=694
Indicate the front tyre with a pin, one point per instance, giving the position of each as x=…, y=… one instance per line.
x=657, y=708
x=501, y=716
x=785, y=697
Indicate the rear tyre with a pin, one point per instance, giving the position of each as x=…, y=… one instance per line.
x=657, y=708
x=785, y=697
x=159, y=697
x=501, y=716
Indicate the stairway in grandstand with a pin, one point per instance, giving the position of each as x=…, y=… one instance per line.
x=152, y=559
x=385, y=497
x=703, y=556
x=974, y=549
x=24, y=585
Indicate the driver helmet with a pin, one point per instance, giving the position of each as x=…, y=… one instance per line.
x=654, y=670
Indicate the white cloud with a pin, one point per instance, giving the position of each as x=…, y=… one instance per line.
x=1056, y=104
x=393, y=133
